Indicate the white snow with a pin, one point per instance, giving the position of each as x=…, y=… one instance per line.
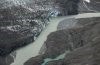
x=87, y=1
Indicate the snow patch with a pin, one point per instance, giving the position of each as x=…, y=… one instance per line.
x=87, y=1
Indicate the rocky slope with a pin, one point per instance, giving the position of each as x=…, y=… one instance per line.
x=18, y=24
x=86, y=6
x=82, y=41
x=21, y=21
x=38, y=60
x=88, y=54
x=7, y=60
x=21, y=24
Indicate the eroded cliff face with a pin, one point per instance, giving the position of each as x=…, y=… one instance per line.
x=21, y=24
x=88, y=54
x=82, y=42
x=72, y=38
x=19, y=20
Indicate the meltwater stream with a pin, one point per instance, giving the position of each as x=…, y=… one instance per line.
x=33, y=49
x=58, y=58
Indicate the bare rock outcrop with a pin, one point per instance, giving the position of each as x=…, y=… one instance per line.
x=83, y=43
x=38, y=60
x=88, y=53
